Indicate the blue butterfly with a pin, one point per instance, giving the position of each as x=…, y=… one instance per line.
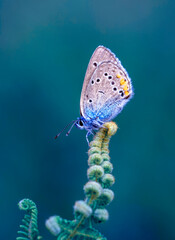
x=106, y=89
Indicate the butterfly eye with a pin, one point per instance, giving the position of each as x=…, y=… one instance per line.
x=81, y=123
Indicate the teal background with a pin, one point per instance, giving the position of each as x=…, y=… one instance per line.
x=45, y=47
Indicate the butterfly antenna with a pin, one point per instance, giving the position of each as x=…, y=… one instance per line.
x=74, y=121
x=71, y=127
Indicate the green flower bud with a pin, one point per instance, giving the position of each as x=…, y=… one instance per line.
x=81, y=207
x=112, y=128
x=107, y=166
x=53, y=226
x=105, y=156
x=95, y=158
x=93, y=150
x=108, y=180
x=92, y=189
x=106, y=197
x=95, y=172
x=95, y=143
x=101, y=215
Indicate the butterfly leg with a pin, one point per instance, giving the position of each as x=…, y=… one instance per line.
x=87, y=135
x=93, y=132
x=97, y=123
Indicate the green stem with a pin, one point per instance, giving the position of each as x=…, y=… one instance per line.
x=80, y=222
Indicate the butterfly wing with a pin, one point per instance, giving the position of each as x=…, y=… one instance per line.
x=108, y=89
x=100, y=55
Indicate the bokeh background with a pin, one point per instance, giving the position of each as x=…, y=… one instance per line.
x=45, y=47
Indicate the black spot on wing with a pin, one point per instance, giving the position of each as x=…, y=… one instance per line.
x=101, y=92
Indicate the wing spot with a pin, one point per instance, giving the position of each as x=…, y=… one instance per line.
x=114, y=89
x=98, y=80
x=95, y=64
x=106, y=74
x=90, y=100
x=110, y=77
x=112, y=83
x=92, y=82
x=101, y=91
x=121, y=93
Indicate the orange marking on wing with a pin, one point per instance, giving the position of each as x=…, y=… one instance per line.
x=122, y=81
x=125, y=87
x=118, y=76
x=126, y=93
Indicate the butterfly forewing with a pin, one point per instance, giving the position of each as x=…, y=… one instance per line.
x=100, y=55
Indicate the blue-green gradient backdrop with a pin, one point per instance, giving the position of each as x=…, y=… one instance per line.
x=45, y=47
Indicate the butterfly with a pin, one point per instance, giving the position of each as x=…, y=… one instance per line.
x=106, y=89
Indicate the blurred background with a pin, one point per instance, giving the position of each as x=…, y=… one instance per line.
x=45, y=47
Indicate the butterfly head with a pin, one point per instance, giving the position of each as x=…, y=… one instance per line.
x=80, y=123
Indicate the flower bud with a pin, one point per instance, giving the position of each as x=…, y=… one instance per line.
x=93, y=150
x=107, y=166
x=106, y=197
x=95, y=172
x=112, y=128
x=95, y=158
x=95, y=143
x=92, y=189
x=108, y=180
x=53, y=226
x=81, y=207
x=105, y=156
x=101, y=215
